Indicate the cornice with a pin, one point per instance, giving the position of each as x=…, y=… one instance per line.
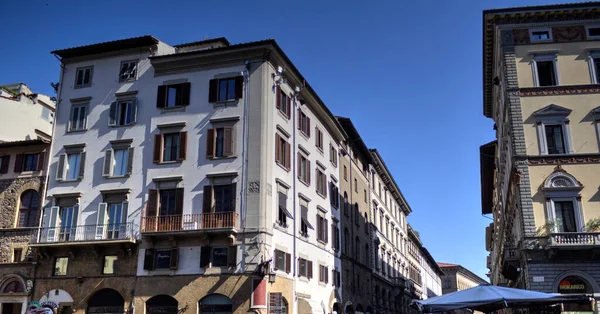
x=559, y=90
x=564, y=159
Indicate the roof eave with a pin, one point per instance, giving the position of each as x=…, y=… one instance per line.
x=104, y=47
x=378, y=159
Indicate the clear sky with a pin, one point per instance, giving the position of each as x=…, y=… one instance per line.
x=408, y=73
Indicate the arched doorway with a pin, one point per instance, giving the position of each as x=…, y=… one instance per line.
x=216, y=304
x=359, y=309
x=162, y=304
x=12, y=295
x=106, y=301
x=349, y=309
x=573, y=284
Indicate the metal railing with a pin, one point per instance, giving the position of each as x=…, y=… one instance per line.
x=84, y=233
x=574, y=238
x=189, y=222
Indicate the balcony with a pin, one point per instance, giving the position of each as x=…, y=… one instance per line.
x=87, y=234
x=190, y=223
x=574, y=239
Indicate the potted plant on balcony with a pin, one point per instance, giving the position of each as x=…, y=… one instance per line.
x=593, y=225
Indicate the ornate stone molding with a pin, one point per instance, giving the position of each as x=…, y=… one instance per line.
x=560, y=90
x=558, y=160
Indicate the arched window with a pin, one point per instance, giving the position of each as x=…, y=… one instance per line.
x=215, y=303
x=12, y=286
x=284, y=306
x=563, y=203
x=346, y=204
x=28, y=209
x=347, y=243
x=162, y=304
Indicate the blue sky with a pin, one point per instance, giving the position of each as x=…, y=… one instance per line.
x=407, y=73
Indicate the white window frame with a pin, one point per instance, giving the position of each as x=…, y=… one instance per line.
x=578, y=213
x=587, y=31
x=544, y=29
x=593, y=54
x=91, y=68
x=135, y=69
x=566, y=193
x=553, y=56
x=84, y=126
x=553, y=119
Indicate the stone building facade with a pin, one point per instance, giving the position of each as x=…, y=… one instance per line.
x=539, y=177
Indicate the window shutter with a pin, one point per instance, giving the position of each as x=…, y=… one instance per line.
x=278, y=148
x=275, y=257
x=299, y=119
x=288, y=263
x=308, y=171
x=325, y=232
x=74, y=221
x=333, y=236
x=182, y=145
x=174, y=258
x=152, y=203
x=307, y=126
x=60, y=169
x=134, y=107
x=207, y=199
x=52, y=223
x=333, y=277
x=130, y=160
x=326, y=274
x=149, y=259
x=161, y=97
x=287, y=156
x=204, y=256
x=278, y=97
x=319, y=228
x=18, y=162
x=123, y=230
x=178, y=201
x=309, y=269
x=233, y=195
x=81, y=165
x=299, y=159
x=228, y=141
x=41, y=161
x=185, y=94
x=107, y=172
x=112, y=114
x=213, y=90
x=232, y=256
x=157, y=148
x=5, y=162
x=210, y=143
x=239, y=87
x=289, y=108
x=101, y=220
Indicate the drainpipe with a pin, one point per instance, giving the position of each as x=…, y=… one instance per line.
x=293, y=162
x=244, y=179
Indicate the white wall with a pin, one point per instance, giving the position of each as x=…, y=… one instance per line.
x=19, y=119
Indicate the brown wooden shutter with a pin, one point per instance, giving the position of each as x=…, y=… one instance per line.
x=185, y=94
x=319, y=228
x=288, y=263
x=178, y=201
x=299, y=158
x=207, y=199
x=18, y=162
x=307, y=126
x=107, y=163
x=81, y=165
x=174, y=258
x=210, y=143
x=239, y=87
x=309, y=269
x=149, y=259
x=228, y=141
x=161, y=96
x=278, y=97
x=324, y=184
x=278, y=148
x=213, y=90
x=299, y=119
x=333, y=236
x=289, y=108
x=182, y=145
x=308, y=171
x=232, y=256
x=325, y=232
x=204, y=256
x=130, y=160
x=158, y=138
x=5, y=162
x=152, y=204
x=41, y=161
x=326, y=274
x=288, y=157
x=233, y=194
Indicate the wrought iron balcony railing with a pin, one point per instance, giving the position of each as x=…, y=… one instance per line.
x=190, y=222
x=86, y=233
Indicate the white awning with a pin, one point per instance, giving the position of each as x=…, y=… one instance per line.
x=311, y=307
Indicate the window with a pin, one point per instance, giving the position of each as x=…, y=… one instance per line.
x=122, y=112
x=553, y=130
x=173, y=96
x=447, y=284
x=83, y=78
x=367, y=254
x=112, y=220
x=4, y=162
x=219, y=142
x=219, y=198
x=282, y=152
x=346, y=205
x=47, y=114
x=345, y=173
x=304, y=268
x=17, y=255
x=304, y=223
x=283, y=261
x=322, y=232
x=60, y=266
x=170, y=147
x=219, y=256
x=303, y=169
x=168, y=200
x=78, y=119
x=357, y=215
x=347, y=244
x=284, y=103
x=323, y=274
x=118, y=162
x=594, y=65
x=335, y=237
x=366, y=224
x=355, y=186
x=319, y=139
x=71, y=165
x=303, y=123
x=110, y=263
x=225, y=89
x=284, y=213
x=30, y=162
x=28, y=209
x=321, y=182
x=593, y=32
x=543, y=34
x=365, y=193
x=357, y=248
x=333, y=155
x=554, y=139
x=166, y=259
x=336, y=278
x=565, y=216
x=545, y=70
x=128, y=71
x=334, y=195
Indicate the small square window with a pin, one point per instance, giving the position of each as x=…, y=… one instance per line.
x=544, y=34
x=110, y=262
x=128, y=71
x=30, y=162
x=83, y=77
x=593, y=31
x=60, y=266
x=17, y=255
x=219, y=257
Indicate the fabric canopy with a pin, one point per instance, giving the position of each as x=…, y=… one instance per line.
x=487, y=298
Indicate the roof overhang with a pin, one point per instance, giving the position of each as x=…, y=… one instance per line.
x=523, y=15
x=388, y=179
x=121, y=44
x=487, y=160
x=23, y=143
x=354, y=137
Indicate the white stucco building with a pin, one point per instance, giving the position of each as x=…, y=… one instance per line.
x=25, y=115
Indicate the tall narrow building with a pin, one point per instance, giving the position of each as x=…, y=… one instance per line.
x=539, y=177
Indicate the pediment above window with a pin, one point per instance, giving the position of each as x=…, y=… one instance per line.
x=552, y=111
x=560, y=179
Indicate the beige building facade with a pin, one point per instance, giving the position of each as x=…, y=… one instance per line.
x=540, y=175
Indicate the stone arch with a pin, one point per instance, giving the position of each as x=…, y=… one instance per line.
x=106, y=301
x=348, y=307
x=575, y=273
x=10, y=197
x=560, y=178
x=12, y=284
x=163, y=304
x=215, y=303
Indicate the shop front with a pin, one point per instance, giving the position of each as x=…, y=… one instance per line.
x=574, y=284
